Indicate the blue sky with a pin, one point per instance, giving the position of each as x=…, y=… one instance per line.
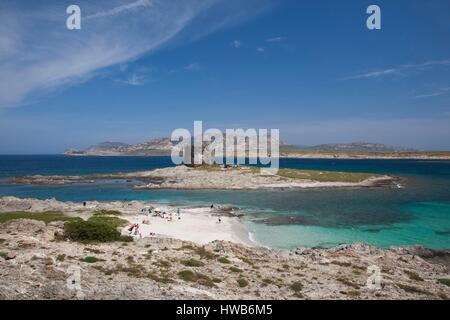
x=141, y=68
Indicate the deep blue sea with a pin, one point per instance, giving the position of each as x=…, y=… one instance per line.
x=419, y=213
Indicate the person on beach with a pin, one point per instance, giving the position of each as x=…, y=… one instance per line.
x=136, y=230
x=219, y=220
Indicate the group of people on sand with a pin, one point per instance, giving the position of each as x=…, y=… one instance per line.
x=156, y=212
x=134, y=230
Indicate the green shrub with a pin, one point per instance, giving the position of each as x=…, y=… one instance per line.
x=96, y=229
x=444, y=282
x=413, y=276
x=234, y=269
x=205, y=254
x=90, y=259
x=189, y=276
x=296, y=286
x=242, y=282
x=223, y=260
x=192, y=263
x=112, y=221
x=61, y=257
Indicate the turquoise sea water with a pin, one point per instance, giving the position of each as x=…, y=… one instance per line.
x=419, y=213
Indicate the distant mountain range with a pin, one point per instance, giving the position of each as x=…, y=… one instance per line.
x=163, y=146
x=154, y=147
x=358, y=147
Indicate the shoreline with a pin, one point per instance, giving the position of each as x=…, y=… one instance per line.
x=216, y=178
x=311, y=155
x=362, y=157
x=198, y=258
x=198, y=224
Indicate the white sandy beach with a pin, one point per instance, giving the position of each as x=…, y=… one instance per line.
x=198, y=225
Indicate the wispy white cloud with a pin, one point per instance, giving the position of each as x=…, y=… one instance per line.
x=439, y=92
x=373, y=74
x=192, y=67
x=120, y=9
x=39, y=54
x=275, y=39
x=261, y=49
x=236, y=44
x=399, y=70
x=135, y=80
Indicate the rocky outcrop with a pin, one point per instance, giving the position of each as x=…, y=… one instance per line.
x=183, y=177
x=36, y=265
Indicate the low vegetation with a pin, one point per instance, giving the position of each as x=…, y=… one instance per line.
x=412, y=289
x=348, y=283
x=192, y=263
x=46, y=216
x=90, y=259
x=190, y=276
x=101, y=227
x=242, y=282
x=444, y=282
x=60, y=257
x=102, y=213
x=314, y=175
x=413, y=276
x=296, y=286
x=340, y=263
x=96, y=229
x=200, y=251
x=325, y=176
x=237, y=270
x=223, y=260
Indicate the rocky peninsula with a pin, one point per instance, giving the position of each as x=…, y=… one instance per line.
x=220, y=178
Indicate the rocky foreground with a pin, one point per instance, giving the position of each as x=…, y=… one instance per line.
x=36, y=263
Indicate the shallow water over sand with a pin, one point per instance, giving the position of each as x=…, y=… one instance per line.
x=418, y=213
